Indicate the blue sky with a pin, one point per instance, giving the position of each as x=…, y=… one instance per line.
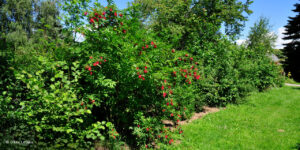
x=277, y=11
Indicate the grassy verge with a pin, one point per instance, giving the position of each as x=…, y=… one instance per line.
x=291, y=81
x=269, y=120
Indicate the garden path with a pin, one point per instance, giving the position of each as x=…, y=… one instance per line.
x=289, y=84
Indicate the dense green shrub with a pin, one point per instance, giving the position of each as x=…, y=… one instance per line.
x=124, y=77
x=140, y=70
x=232, y=72
x=57, y=117
x=12, y=92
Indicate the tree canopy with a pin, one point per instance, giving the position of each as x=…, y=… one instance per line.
x=260, y=36
x=291, y=49
x=187, y=20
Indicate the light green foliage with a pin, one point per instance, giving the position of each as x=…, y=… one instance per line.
x=54, y=110
x=232, y=71
x=291, y=81
x=74, y=13
x=260, y=38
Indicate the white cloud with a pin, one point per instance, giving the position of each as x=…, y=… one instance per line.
x=79, y=37
x=279, y=42
x=240, y=41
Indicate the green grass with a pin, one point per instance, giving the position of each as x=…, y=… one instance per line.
x=291, y=81
x=253, y=125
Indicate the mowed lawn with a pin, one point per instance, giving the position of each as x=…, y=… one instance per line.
x=269, y=120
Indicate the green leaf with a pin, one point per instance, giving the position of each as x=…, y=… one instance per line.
x=30, y=114
x=38, y=129
x=89, y=136
x=72, y=145
x=102, y=138
x=70, y=130
x=22, y=103
x=88, y=111
x=79, y=120
x=52, y=86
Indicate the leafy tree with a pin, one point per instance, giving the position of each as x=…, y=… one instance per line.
x=16, y=21
x=182, y=23
x=73, y=14
x=26, y=27
x=260, y=37
x=260, y=47
x=48, y=13
x=291, y=49
x=229, y=12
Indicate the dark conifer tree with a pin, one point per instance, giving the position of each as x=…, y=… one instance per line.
x=291, y=49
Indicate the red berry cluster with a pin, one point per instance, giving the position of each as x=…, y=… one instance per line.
x=97, y=63
x=114, y=134
x=85, y=106
x=188, y=73
x=167, y=94
x=187, y=76
x=142, y=73
x=146, y=46
x=163, y=135
x=105, y=18
x=171, y=141
x=92, y=101
x=171, y=107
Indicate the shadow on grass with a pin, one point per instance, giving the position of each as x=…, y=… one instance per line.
x=296, y=88
x=297, y=146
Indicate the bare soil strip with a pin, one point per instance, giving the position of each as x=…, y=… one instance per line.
x=206, y=110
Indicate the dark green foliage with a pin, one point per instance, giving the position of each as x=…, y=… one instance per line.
x=291, y=50
x=47, y=18
x=16, y=22
x=12, y=92
x=26, y=27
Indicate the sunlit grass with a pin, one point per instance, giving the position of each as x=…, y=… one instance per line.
x=269, y=120
x=291, y=81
